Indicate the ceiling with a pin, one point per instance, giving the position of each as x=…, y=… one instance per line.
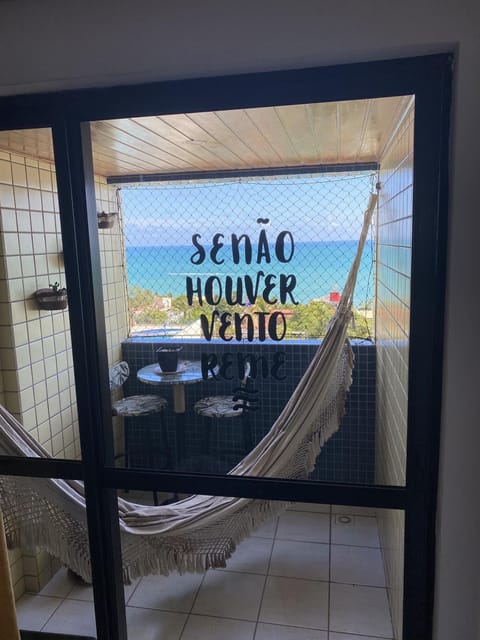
x=330, y=133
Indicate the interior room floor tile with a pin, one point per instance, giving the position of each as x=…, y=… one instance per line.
x=60, y=585
x=278, y=632
x=169, y=593
x=310, y=506
x=357, y=565
x=34, y=611
x=360, y=531
x=359, y=610
x=130, y=588
x=81, y=591
x=348, y=636
x=304, y=526
x=228, y=594
x=290, y=601
x=251, y=556
x=293, y=559
x=217, y=629
x=74, y=617
x=267, y=530
x=358, y=511
x=148, y=624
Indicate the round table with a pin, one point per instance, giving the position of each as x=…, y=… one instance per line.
x=187, y=373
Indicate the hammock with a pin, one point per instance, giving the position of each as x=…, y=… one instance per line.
x=199, y=532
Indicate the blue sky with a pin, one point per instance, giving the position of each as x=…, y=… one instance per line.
x=320, y=208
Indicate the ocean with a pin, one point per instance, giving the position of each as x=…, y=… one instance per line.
x=319, y=268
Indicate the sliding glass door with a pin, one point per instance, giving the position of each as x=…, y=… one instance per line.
x=207, y=230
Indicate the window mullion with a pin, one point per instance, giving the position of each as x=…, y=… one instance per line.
x=82, y=265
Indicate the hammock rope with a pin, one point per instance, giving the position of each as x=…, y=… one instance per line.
x=199, y=532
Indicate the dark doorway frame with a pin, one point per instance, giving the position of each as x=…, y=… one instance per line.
x=68, y=114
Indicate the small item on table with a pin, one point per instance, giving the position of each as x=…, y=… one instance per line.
x=168, y=358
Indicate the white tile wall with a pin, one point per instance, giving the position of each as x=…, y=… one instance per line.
x=392, y=327
x=112, y=253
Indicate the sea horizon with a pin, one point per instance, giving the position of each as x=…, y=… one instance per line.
x=319, y=268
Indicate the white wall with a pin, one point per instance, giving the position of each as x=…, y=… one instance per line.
x=117, y=41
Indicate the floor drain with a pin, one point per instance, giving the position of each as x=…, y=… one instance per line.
x=344, y=520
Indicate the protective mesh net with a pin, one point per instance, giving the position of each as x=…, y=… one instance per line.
x=199, y=246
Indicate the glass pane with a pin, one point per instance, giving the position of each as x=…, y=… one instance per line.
x=219, y=290
x=37, y=381
x=304, y=569
x=48, y=558
x=305, y=572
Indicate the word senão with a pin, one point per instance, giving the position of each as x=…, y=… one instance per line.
x=243, y=290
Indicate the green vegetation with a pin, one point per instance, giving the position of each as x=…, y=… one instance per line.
x=147, y=307
x=138, y=297
x=151, y=316
x=310, y=320
x=303, y=321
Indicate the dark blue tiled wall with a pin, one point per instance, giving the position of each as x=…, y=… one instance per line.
x=347, y=457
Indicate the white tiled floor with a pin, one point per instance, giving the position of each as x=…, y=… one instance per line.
x=309, y=575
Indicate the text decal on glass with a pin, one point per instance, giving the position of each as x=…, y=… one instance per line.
x=244, y=290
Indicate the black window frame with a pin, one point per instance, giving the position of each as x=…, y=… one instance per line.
x=68, y=114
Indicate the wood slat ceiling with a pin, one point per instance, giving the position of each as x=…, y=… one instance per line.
x=347, y=132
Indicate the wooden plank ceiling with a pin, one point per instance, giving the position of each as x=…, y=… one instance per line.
x=271, y=137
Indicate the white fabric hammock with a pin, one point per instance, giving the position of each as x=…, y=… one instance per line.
x=198, y=532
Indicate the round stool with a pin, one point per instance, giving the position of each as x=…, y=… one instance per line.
x=139, y=406
x=222, y=407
